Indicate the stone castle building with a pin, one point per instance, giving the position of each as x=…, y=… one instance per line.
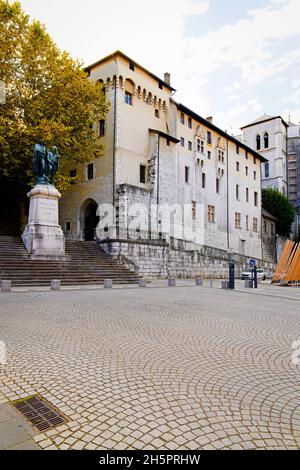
x=160, y=152
x=268, y=135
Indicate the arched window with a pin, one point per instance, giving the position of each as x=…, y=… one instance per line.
x=258, y=142
x=266, y=140
x=267, y=170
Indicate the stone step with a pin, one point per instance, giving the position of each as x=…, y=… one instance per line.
x=85, y=263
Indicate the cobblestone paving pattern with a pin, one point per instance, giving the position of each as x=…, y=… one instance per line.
x=160, y=368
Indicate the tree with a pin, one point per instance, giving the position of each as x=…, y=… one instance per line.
x=48, y=96
x=279, y=206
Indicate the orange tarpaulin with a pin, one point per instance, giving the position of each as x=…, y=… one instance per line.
x=288, y=268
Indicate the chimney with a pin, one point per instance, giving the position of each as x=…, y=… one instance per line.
x=209, y=119
x=167, y=78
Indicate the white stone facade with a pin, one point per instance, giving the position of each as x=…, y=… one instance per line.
x=271, y=132
x=145, y=127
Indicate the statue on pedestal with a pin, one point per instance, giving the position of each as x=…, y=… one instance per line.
x=44, y=163
x=43, y=236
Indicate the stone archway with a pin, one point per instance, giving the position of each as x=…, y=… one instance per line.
x=88, y=219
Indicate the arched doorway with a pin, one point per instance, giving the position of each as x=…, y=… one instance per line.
x=88, y=219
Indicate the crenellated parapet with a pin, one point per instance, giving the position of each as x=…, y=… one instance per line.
x=137, y=91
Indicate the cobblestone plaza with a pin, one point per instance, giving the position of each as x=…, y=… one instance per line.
x=157, y=368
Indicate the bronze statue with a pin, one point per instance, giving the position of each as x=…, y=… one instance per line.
x=44, y=163
x=52, y=162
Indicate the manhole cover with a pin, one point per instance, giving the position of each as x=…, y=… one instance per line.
x=39, y=412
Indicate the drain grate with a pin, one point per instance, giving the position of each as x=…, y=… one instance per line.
x=39, y=412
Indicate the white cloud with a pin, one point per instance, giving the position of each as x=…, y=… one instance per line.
x=154, y=35
x=196, y=8
x=247, y=44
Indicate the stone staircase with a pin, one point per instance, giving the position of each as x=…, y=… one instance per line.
x=86, y=264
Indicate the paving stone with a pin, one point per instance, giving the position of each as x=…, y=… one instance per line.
x=156, y=368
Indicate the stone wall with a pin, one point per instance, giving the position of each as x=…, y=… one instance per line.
x=159, y=259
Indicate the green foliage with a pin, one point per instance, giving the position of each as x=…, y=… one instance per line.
x=47, y=95
x=279, y=206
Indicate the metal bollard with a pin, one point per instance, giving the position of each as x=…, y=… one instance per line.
x=108, y=283
x=198, y=281
x=142, y=283
x=55, y=284
x=172, y=282
x=5, y=286
x=231, y=276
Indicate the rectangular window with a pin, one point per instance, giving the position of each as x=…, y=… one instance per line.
x=246, y=155
x=190, y=146
x=160, y=85
x=101, y=128
x=238, y=149
x=246, y=170
x=221, y=156
x=90, y=171
x=265, y=226
x=203, y=180
x=168, y=142
x=73, y=173
x=217, y=185
x=209, y=138
x=131, y=66
x=237, y=166
x=182, y=118
x=255, y=198
x=254, y=160
x=237, y=191
x=68, y=226
x=187, y=174
x=209, y=154
x=267, y=170
x=182, y=141
x=143, y=174
x=211, y=214
x=190, y=122
x=237, y=220
x=247, y=222
x=128, y=98
x=247, y=194
x=254, y=175
x=200, y=145
x=156, y=112
x=194, y=206
x=255, y=224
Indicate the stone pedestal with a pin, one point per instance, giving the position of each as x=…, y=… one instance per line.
x=43, y=236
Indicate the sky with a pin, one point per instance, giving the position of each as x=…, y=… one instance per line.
x=231, y=59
